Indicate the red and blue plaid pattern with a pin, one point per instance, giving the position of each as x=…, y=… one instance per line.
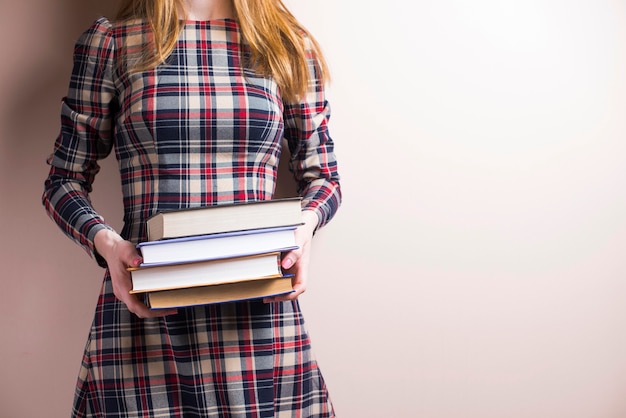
x=199, y=129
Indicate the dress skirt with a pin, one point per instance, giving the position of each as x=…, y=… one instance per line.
x=241, y=359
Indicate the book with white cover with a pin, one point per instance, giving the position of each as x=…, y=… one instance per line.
x=215, y=246
x=202, y=273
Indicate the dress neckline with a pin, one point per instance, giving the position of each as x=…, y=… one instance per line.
x=208, y=22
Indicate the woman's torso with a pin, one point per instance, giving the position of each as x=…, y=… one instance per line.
x=198, y=129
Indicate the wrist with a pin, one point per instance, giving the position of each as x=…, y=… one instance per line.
x=310, y=220
x=105, y=241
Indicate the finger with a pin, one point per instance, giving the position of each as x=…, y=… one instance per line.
x=283, y=298
x=136, y=262
x=122, y=288
x=298, y=289
x=136, y=306
x=133, y=259
x=289, y=260
x=287, y=263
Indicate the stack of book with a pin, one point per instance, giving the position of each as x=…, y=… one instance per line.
x=217, y=253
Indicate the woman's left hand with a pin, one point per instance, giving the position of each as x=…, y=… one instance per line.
x=296, y=262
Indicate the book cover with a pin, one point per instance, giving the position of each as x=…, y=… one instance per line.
x=170, y=276
x=220, y=245
x=238, y=216
x=219, y=293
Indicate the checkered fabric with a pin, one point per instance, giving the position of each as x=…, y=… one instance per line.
x=197, y=130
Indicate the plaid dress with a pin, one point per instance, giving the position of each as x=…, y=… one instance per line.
x=197, y=130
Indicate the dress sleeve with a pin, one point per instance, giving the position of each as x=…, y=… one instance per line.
x=85, y=137
x=313, y=162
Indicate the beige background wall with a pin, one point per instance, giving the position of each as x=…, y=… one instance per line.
x=477, y=268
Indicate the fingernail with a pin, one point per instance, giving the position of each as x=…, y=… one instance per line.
x=287, y=263
x=137, y=261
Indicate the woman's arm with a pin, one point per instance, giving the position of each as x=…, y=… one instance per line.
x=314, y=167
x=86, y=138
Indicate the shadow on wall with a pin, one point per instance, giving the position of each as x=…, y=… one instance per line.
x=45, y=335
x=49, y=299
x=35, y=84
x=39, y=78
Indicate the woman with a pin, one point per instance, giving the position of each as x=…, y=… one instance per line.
x=196, y=98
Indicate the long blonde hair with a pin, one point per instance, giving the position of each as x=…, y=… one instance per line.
x=277, y=41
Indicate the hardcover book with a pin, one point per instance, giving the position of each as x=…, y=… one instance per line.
x=219, y=293
x=222, y=245
x=223, y=218
x=226, y=270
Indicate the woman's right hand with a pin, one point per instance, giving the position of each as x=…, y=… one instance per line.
x=120, y=255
